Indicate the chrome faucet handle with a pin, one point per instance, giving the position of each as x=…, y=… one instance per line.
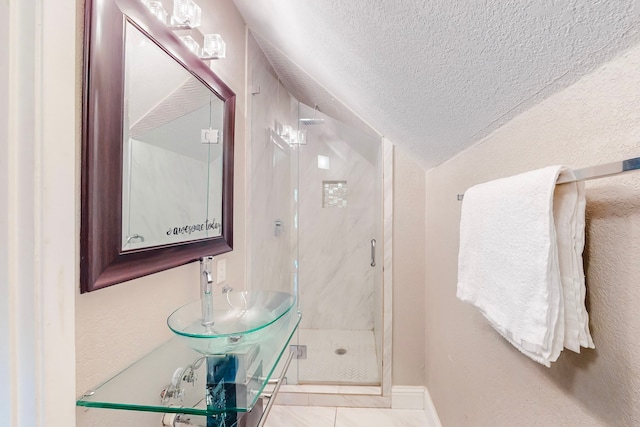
x=205, y=270
x=205, y=264
x=208, y=275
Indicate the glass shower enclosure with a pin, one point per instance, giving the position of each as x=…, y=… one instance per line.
x=315, y=227
x=339, y=246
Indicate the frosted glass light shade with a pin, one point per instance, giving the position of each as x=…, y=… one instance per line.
x=302, y=137
x=297, y=137
x=187, y=12
x=157, y=10
x=214, y=46
x=286, y=132
x=191, y=44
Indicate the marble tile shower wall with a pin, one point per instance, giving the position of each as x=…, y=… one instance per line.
x=273, y=180
x=333, y=244
x=337, y=290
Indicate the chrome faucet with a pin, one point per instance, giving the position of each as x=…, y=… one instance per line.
x=206, y=296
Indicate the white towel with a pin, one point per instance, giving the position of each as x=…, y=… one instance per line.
x=520, y=261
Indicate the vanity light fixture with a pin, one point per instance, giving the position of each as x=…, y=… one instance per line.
x=187, y=15
x=156, y=8
x=286, y=133
x=214, y=47
x=298, y=138
x=292, y=136
x=191, y=44
x=186, y=12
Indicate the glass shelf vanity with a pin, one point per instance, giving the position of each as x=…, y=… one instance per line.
x=223, y=389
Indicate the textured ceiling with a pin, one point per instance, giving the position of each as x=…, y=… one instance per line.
x=305, y=89
x=436, y=76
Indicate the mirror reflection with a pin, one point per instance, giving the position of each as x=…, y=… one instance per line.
x=172, y=150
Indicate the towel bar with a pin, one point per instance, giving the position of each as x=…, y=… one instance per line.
x=595, y=172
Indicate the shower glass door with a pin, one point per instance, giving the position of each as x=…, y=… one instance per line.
x=314, y=209
x=272, y=209
x=339, y=252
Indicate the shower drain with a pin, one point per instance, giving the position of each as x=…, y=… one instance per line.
x=341, y=351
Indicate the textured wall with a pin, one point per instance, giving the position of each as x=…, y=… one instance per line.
x=408, y=270
x=37, y=212
x=117, y=325
x=475, y=377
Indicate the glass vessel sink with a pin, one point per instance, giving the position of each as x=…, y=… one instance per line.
x=240, y=320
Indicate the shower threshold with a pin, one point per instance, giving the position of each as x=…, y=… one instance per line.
x=332, y=389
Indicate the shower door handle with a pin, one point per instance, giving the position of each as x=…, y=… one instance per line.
x=373, y=252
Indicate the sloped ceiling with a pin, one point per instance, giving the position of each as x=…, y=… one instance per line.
x=435, y=76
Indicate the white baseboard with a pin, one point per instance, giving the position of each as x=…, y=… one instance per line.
x=407, y=397
x=415, y=397
x=430, y=410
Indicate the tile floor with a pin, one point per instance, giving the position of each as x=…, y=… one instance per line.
x=316, y=416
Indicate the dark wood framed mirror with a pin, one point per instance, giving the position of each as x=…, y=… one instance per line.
x=116, y=128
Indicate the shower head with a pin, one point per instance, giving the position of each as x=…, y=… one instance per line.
x=314, y=121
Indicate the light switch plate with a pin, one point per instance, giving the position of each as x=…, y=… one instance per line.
x=221, y=272
x=209, y=136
